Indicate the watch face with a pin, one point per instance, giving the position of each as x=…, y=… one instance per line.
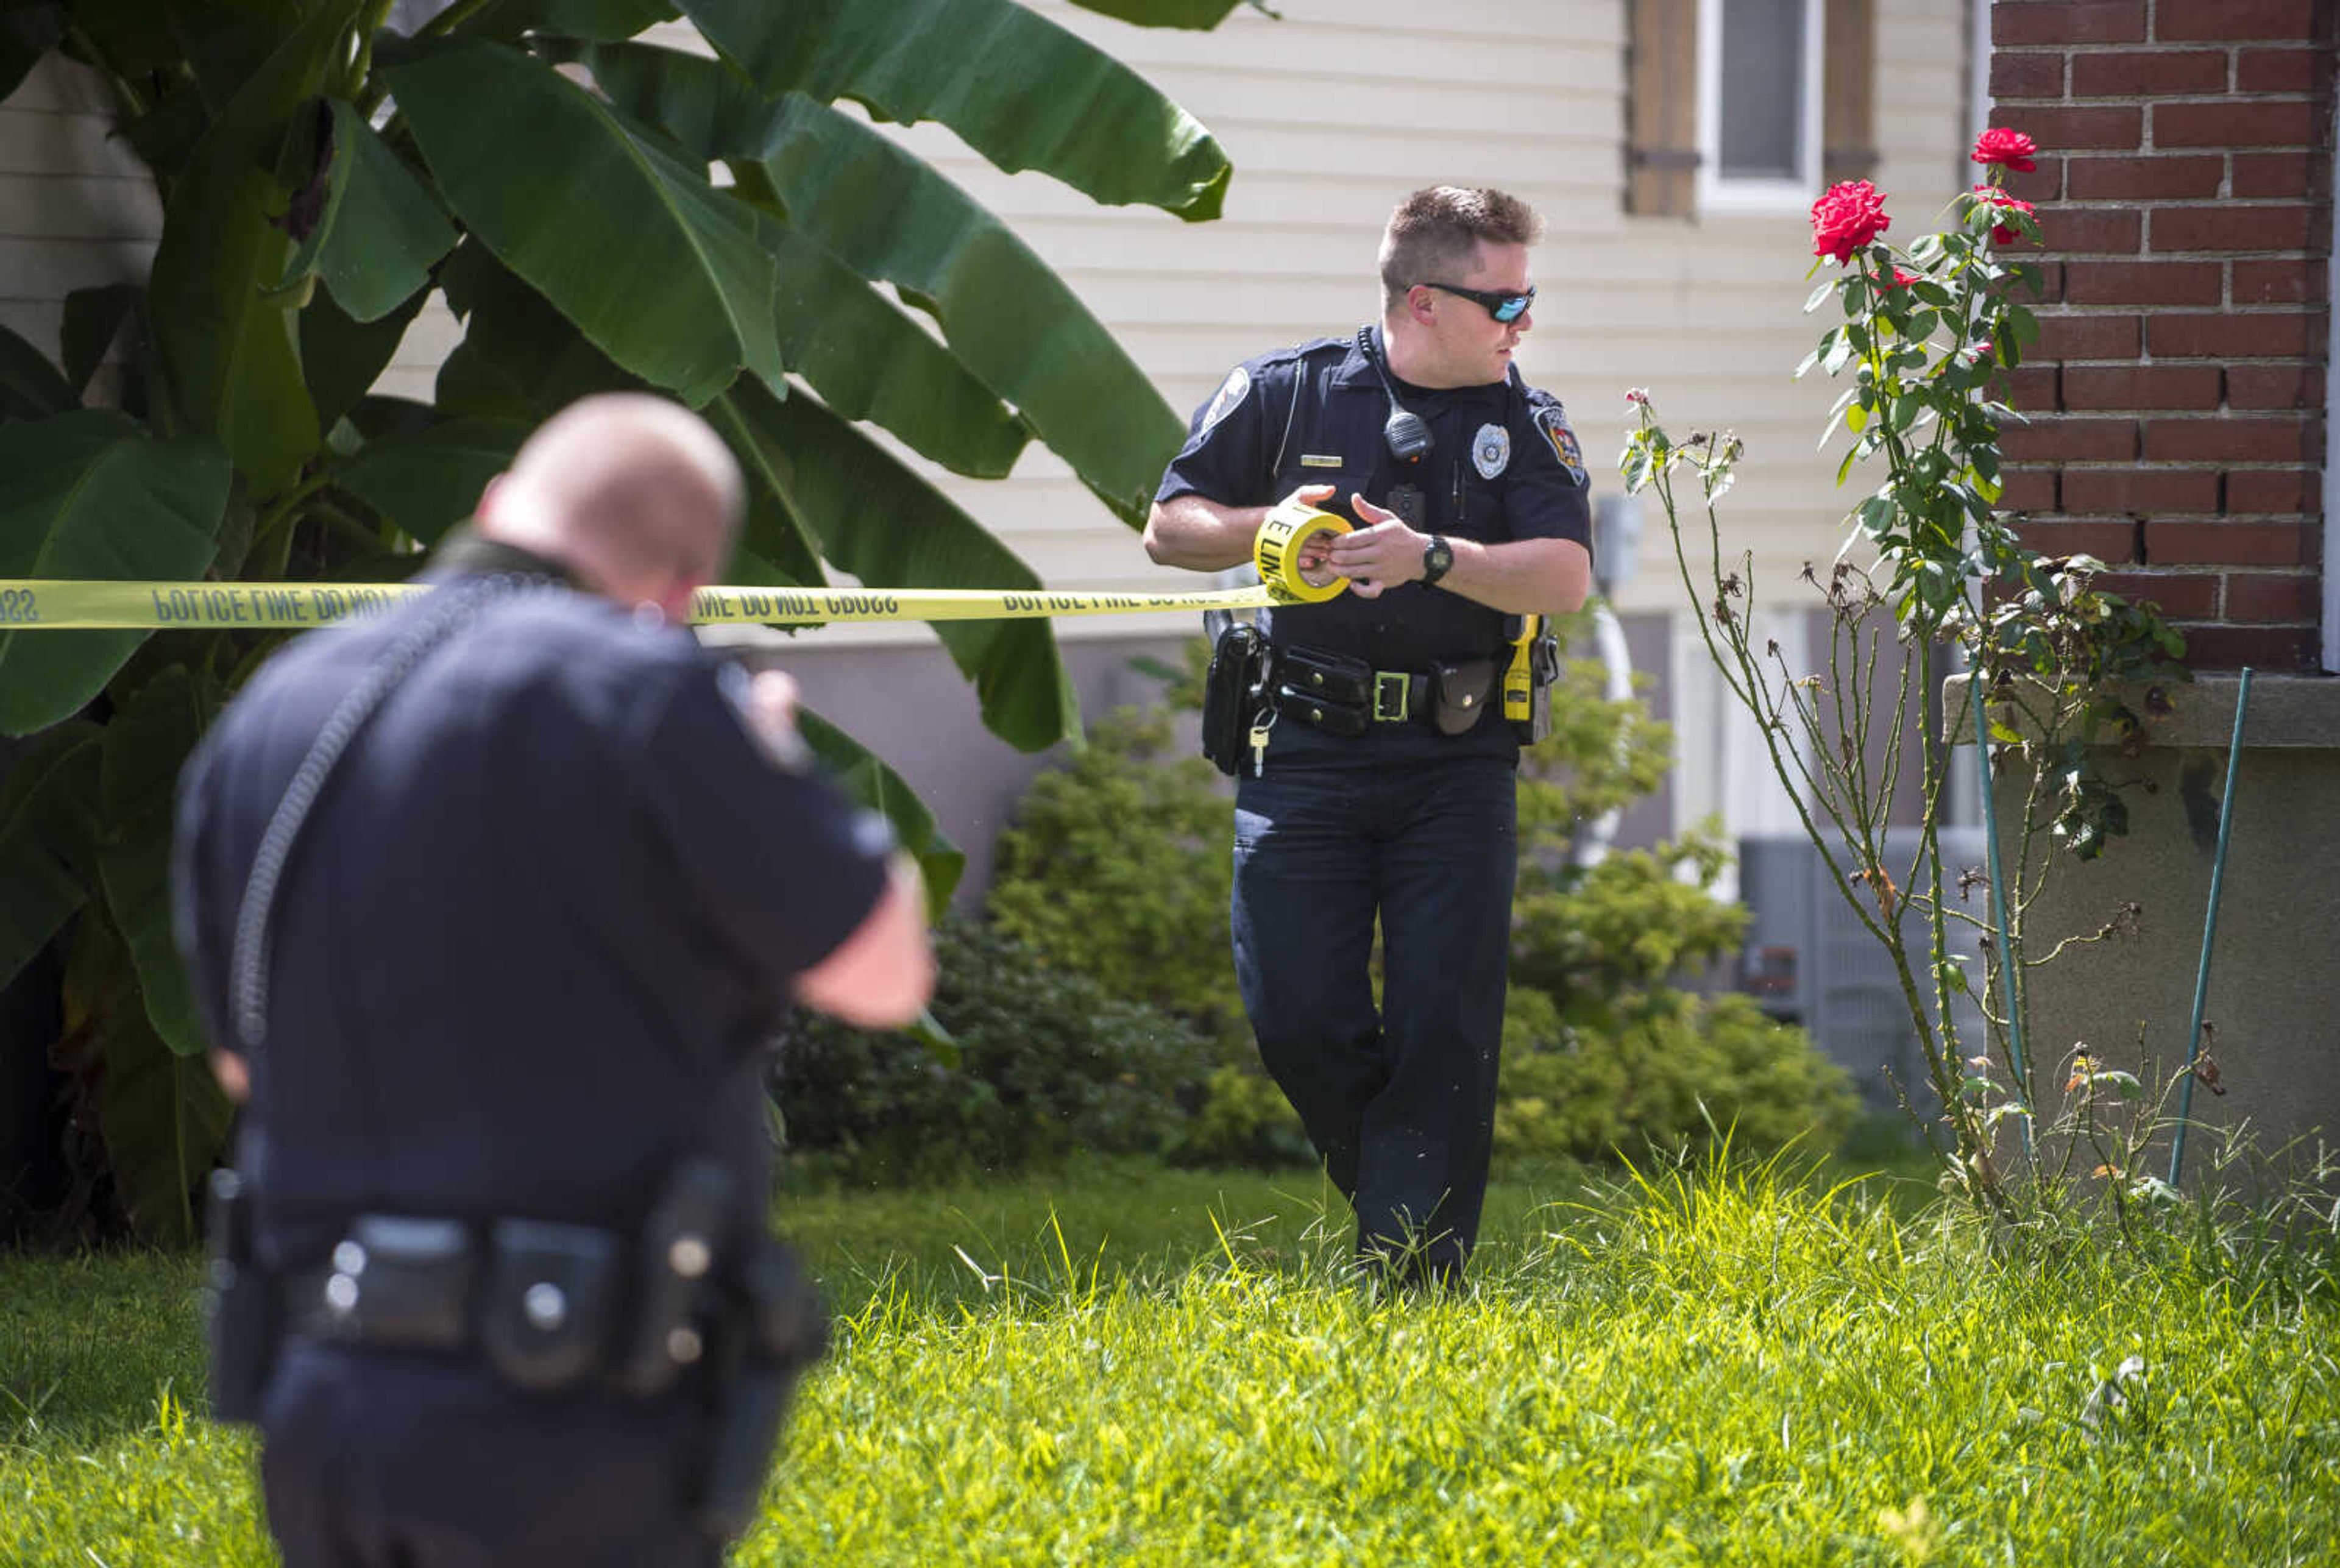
x=1437, y=560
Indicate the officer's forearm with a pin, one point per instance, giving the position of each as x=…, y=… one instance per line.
x=1523, y=577
x=1201, y=535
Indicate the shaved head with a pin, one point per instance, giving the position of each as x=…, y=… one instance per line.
x=632, y=491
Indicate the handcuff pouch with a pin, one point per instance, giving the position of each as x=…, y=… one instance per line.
x=549, y=1313
x=1458, y=693
x=1231, y=689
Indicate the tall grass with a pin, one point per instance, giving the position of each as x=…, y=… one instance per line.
x=1714, y=1364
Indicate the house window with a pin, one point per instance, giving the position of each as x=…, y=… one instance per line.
x=1747, y=105
x=1760, y=75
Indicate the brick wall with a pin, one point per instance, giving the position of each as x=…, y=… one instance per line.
x=2185, y=194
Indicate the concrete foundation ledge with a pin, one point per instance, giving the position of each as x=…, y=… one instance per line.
x=2272, y=1025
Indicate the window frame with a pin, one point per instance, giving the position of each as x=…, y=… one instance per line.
x=1718, y=195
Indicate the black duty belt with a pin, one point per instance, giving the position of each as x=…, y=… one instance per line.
x=1347, y=696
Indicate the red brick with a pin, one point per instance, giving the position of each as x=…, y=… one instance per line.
x=2173, y=594
x=2278, y=283
x=2299, y=491
x=2237, y=122
x=2214, y=21
x=2272, y=175
x=2043, y=183
x=2144, y=283
x=2260, y=647
x=2275, y=386
x=2257, y=596
x=2034, y=389
x=2120, y=127
x=2069, y=441
x=2146, y=178
x=2278, y=70
x=2228, y=227
x=2228, y=544
x=2154, y=74
x=2086, y=337
x=2224, y=439
x=2081, y=231
x=2140, y=386
x=2111, y=543
x=2029, y=489
x=2015, y=23
x=2026, y=76
x=2139, y=491
x=2235, y=335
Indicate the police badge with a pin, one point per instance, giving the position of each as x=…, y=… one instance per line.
x=1491, y=450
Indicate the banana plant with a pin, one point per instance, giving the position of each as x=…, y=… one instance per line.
x=326, y=168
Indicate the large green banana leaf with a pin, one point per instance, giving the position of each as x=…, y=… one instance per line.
x=89, y=495
x=888, y=217
x=379, y=230
x=1017, y=88
x=888, y=526
x=427, y=481
x=1199, y=15
x=868, y=361
x=48, y=839
x=228, y=334
x=93, y=322
x=866, y=779
x=145, y=745
x=344, y=356
x=606, y=21
x=162, y=1115
x=662, y=272
x=30, y=386
x=26, y=33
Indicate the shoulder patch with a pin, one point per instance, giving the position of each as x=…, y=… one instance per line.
x=1232, y=391
x=1553, y=423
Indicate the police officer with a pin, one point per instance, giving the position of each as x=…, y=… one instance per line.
x=491, y=902
x=1469, y=494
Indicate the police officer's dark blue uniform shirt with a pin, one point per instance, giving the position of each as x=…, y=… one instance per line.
x=1503, y=466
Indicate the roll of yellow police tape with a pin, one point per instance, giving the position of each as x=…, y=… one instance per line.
x=1276, y=551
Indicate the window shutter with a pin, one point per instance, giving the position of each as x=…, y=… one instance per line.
x=1661, y=109
x=1848, y=91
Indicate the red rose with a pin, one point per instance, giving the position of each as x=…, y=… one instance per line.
x=1999, y=201
x=2000, y=145
x=1899, y=280
x=1846, y=217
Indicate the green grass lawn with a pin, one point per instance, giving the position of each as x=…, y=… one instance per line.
x=1119, y=1363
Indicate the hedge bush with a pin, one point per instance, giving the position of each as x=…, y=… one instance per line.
x=1049, y=1061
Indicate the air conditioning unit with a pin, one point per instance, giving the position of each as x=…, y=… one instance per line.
x=1808, y=958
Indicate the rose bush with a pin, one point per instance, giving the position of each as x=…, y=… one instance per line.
x=1927, y=336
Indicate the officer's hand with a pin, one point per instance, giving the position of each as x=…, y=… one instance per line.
x=771, y=712
x=1377, y=557
x=1316, y=562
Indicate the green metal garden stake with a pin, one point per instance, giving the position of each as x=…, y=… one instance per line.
x=2209, y=928
x=1998, y=920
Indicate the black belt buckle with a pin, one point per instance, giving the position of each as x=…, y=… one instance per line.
x=1393, y=691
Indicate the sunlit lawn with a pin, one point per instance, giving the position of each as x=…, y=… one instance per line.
x=1120, y=1363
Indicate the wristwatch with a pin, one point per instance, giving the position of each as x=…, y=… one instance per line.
x=1437, y=560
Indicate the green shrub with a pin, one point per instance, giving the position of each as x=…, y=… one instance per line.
x=1048, y=1063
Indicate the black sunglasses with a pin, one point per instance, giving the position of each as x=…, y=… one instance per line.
x=1505, y=308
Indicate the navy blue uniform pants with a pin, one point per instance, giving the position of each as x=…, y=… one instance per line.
x=1399, y=1100
x=379, y=1459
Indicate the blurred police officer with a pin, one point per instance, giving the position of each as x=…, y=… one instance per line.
x=1469, y=494
x=491, y=902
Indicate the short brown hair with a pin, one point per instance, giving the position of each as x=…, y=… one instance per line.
x=1434, y=234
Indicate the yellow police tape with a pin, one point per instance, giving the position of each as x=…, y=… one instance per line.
x=28, y=604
